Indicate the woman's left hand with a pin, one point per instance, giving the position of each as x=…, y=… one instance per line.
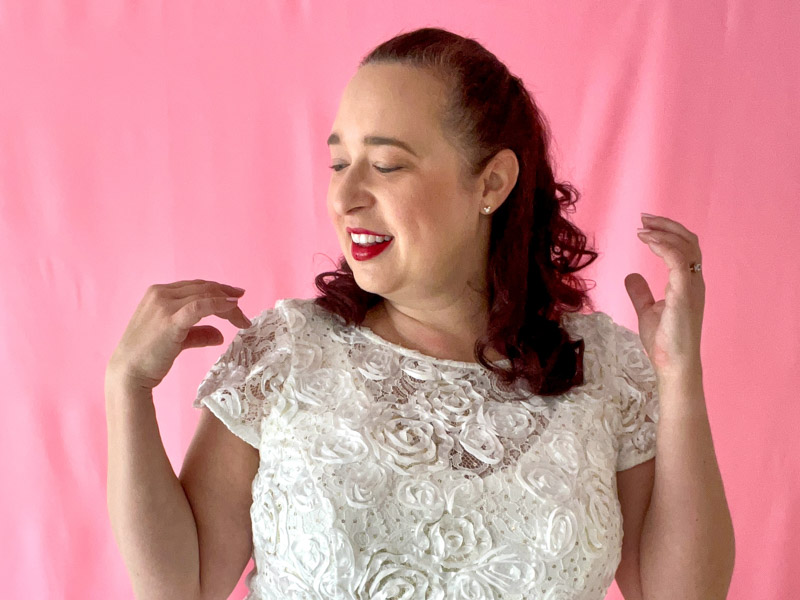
x=670, y=328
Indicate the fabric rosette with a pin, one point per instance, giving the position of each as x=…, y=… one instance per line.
x=545, y=481
x=455, y=542
x=309, y=555
x=645, y=436
x=269, y=528
x=412, y=445
x=418, y=368
x=564, y=448
x=377, y=363
x=400, y=576
x=342, y=333
x=601, y=456
x=558, y=530
x=462, y=490
x=481, y=442
x=295, y=319
x=353, y=409
x=365, y=484
x=227, y=387
x=320, y=387
x=601, y=507
x=423, y=496
x=453, y=403
x=339, y=446
x=508, y=420
x=469, y=585
x=595, y=375
x=304, y=494
x=510, y=569
x=631, y=413
x=306, y=357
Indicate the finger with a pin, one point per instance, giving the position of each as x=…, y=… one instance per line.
x=666, y=224
x=175, y=285
x=689, y=250
x=665, y=245
x=236, y=317
x=680, y=278
x=195, y=308
x=199, y=286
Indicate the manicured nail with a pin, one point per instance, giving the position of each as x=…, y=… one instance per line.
x=647, y=215
x=644, y=230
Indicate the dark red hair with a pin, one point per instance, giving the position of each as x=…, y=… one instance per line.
x=534, y=251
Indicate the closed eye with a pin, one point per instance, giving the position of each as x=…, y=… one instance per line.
x=338, y=168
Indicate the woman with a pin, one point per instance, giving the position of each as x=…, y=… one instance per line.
x=442, y=421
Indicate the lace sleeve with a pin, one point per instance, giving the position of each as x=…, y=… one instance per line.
x=636, y=391
x=241, y=387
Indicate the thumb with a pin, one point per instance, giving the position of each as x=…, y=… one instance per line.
x=639, y=292
x=203, y=335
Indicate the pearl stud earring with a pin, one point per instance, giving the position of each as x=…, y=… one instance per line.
x=486, y=209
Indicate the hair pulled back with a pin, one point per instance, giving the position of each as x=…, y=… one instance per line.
x=534, y=251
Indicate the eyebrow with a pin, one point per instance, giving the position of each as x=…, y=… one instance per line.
x=374, y=140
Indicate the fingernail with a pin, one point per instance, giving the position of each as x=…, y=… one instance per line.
x=231, y=299
x=644, y=230
x=238, y=289
x=647, y=215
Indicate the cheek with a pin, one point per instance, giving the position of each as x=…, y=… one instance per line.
x=329, y=207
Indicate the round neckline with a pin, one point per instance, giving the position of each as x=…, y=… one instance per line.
x=368, y=333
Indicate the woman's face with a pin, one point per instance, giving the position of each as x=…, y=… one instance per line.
x=439, y=238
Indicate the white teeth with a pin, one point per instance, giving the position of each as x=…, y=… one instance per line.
x=364, y=239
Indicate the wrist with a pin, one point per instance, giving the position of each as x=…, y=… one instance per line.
x=118, y=382
x=687, y=380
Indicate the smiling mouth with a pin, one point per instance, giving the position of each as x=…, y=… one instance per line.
x=365, y=240
x=369, y=251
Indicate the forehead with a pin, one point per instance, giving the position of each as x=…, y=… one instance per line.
x=392, y=100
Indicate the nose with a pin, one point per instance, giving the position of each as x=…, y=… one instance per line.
x=348, y=190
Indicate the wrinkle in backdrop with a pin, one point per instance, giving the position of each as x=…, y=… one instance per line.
x=149, y=142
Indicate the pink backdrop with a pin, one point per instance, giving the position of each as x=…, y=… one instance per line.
x=148, y=142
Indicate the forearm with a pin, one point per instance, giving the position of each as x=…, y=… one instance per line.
x=687, y=545
x=150, y=515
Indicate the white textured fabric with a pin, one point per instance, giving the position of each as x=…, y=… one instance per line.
x=388, y=474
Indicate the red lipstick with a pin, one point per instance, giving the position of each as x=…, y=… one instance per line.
x=361, y=253
x=367, y=252
x=364, y=231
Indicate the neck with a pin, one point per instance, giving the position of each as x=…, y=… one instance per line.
x=449, y=333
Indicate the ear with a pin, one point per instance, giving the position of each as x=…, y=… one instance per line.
x=499, y=178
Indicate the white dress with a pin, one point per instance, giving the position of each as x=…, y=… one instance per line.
x=388, y=474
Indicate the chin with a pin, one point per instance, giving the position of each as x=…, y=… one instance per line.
x=368, y=285
x=373, y=285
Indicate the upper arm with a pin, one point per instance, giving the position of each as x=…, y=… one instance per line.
x=634, y=488
x=217, y=476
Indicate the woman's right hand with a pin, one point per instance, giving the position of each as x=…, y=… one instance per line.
x=163, y=326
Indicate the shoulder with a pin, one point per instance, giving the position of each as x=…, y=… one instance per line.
x=298, y=314
x=603, y=337
x=592, y=327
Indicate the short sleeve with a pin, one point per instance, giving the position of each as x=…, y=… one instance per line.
x=636, y=391
x=243, y=385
